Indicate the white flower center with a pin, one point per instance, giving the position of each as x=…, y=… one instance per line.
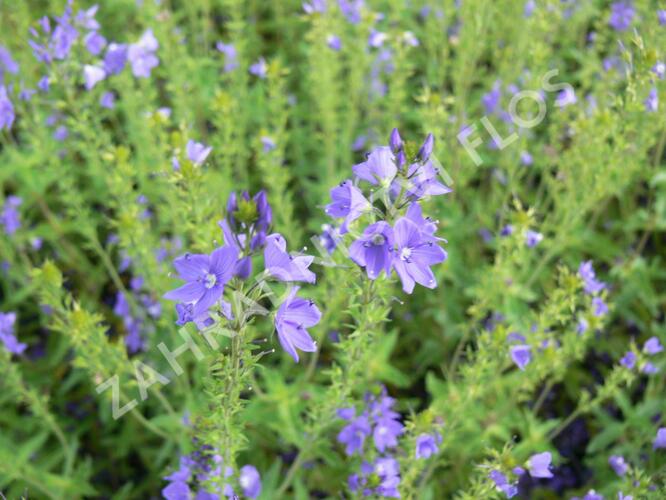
x=210, y=280
x=405, y=253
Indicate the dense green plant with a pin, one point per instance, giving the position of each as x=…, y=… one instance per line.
x=130, y=136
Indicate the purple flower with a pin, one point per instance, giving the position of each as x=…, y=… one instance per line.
x=95, y=42
x=259, y=68
x=628, y=360
x=386, y=432
x=26, y=94
x=652, y=346
x=539, y=465
x=374, y=249
x=622, y=13
x=661, y=15
x=618, y=464
x=502, y=483
x=313, y=6
x=652, y=101
x=61, y=133
x=292, y=319
x=353, y=434
x=526, y=159
x=591, y=284
x=267, y=143
x=43, y=84
x=230, y=55
x=115, y=58
x=376, y=39
x=528, y=10
x=379, y=168
x=283, y=266
x=141, y=55
x=7, y=63
x=490, y=100
x=582, y=326
x=426, y=148
x=250, y=481
x=92, y=75
x=426, y=445
x=599, y=306
x=532, y=238
x=334, y=42
x=660, y=439
x=421, y=182
x=7, y=335
x=10, y=216
x=566, y=97
x=659, y=69
x=521, y=355
x=6, y=109
x=176, y=490
x=593, y=495
x=329, y=237
x=414, y=256
x=348, y=202
x=649, y=369
x=197, y=152
x=63, y=37
x=351, y=9
x=86, y=18
x=205, y=277
x=107, y=100
x=388, y=470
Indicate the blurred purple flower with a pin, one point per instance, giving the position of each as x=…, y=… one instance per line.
x=660, y=439
x=7, y=335
x=115, y=58
x=250, y=481
x=533, y=238
x=10, y=216
x=628, y=360
x=107, y=100
x=259, y=68
x=334, y=42
x=652, y=101
x=6, y=109
x=622, y=14
x=652, y=346
x=95, y=42
x=618, y=464
x=427, y=445
x=92, y=75
x=141, y=55
x=197, y=152
x=539, y=465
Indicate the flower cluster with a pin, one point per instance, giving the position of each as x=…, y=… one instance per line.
x=7, y=335
x=10, y=217
x=58, y=40
x=399, y=238
x=203, y=465
x=593, y=287
x=136, y=320
x=245, y=229
x=379, y=420
x=538, y=466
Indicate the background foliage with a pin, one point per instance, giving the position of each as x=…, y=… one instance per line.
x=106, y=206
